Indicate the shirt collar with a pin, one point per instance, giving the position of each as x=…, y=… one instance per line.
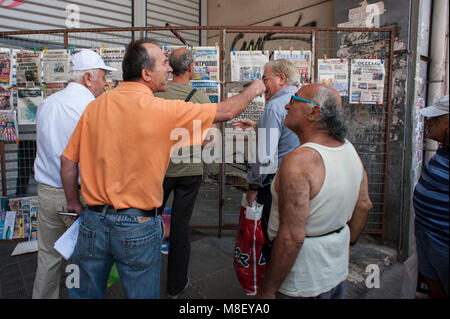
x=134, y=86
x=81, y=88
x=288, y=89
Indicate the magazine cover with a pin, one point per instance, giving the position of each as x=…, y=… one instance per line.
x=8, y=126
x=5, y=67
x=18, y=226
x=2, y=223
x=5, y=99
x=8, y=226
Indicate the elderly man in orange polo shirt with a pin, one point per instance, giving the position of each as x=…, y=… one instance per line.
x=122, y=145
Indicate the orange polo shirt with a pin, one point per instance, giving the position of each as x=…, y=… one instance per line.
x=123, y=144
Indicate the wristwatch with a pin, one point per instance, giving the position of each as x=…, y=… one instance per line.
x=253, y=187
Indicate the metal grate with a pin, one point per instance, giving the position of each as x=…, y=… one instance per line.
x=221, y=193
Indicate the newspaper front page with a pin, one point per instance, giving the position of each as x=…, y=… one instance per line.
x=28, y=69
x=301, y=59
x=210, y=88
x=367, y=81
x=334, y=73
x=56, y=66
x=248, y=65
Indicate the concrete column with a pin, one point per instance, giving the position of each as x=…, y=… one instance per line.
x=436, y=74
x=139, y=16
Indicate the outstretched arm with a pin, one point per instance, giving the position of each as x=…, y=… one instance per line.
x=232, y=107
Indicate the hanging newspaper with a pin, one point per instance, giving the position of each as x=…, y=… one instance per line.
x=56, y=66
x=367, y=81
x=248, y=65
x=8, y=126
x=51, y=88
x=301, y=59
x=210, y=88
x=254, y=109
x=27, y=104
x=206, y=59
x=113, y=57
x=334, y=73
x=206, y=63
x=5, y=67
x=28, y=69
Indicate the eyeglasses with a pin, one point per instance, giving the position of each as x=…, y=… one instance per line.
x=295, y=97
x=265, y=78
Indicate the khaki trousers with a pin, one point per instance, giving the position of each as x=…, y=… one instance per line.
x=50, y=227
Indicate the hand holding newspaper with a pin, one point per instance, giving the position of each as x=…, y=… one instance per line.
x=65, y=245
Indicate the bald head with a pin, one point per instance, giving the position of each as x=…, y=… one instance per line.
x=331, y=117
x=180, y=61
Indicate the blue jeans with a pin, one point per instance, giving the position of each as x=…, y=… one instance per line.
x=135, y=247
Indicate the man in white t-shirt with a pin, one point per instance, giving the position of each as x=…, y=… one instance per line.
x=56, y=118
x=320, y=202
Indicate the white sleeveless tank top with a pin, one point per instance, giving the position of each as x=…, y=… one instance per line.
x=323, y=261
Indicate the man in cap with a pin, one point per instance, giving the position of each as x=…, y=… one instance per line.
x=431, y=206
x=56, y=119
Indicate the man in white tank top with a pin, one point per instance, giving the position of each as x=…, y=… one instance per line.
x=320, y=202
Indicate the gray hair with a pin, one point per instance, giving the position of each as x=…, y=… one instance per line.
x=287, y=67
x=77, y=76
x=332, y=118
x=180, y=63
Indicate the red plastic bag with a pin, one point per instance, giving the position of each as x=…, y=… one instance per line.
x=249, y=262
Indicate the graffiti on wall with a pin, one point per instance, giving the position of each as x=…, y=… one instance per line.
x=259, y=43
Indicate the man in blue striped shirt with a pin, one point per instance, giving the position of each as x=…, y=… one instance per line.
x=431, y=204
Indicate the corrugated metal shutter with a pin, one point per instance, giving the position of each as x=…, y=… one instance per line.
x=45, y=15
x=51, y=14
x=177, y=13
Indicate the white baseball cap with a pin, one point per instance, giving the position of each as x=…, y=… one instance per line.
x=86, y=60
x=439, y=108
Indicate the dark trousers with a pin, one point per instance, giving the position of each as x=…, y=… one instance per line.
x=185, y=191
x=265, y=197
x=27, y=154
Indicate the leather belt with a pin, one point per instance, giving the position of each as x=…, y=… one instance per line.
x=329, y=233
x=108, y=209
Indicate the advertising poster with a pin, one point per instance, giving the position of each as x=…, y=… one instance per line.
x=334, y=73
x=367, y=81
x=248, y=65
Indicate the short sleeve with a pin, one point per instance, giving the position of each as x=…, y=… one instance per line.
x=196, y=119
